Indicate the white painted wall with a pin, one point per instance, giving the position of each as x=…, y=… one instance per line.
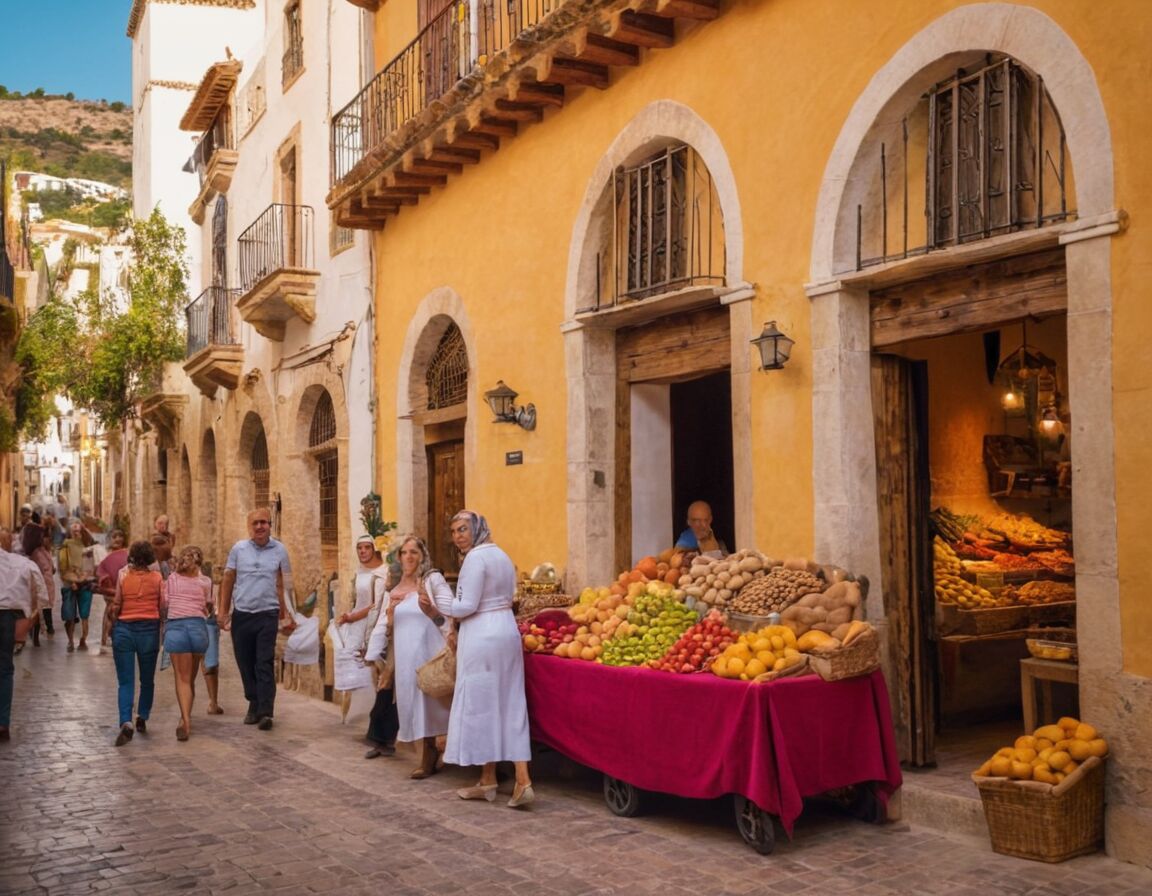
x=651, y=468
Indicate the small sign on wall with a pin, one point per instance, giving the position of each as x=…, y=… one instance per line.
x=512, y=458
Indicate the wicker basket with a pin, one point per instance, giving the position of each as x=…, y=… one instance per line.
x=528, y=605
x=1046, y=822
x=954, y=620
x=858, y=658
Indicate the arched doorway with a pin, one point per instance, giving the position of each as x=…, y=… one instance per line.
x=322, y=449
x=253, y=450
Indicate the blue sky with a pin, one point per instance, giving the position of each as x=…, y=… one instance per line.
x=77, y=46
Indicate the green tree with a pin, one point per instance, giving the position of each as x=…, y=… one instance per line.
x=101, y=355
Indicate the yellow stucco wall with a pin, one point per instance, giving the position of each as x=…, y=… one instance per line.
x=776, y=81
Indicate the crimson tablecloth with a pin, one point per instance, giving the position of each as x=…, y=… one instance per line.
x=702, y=736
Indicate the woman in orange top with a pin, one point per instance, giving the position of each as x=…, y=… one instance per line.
x=135, y=613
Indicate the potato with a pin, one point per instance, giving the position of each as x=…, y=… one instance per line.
x=811, y=600
x=751, y=564
x=840, y=615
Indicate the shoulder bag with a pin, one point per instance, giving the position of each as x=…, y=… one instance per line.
x=437, y=677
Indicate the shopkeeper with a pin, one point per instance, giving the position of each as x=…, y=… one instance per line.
x=699, y=536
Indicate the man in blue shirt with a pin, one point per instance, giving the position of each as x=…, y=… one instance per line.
x=251, y=607
x=699, y=535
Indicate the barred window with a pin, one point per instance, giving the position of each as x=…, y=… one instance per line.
x=323, y=422
x=328, y=469
x=293, y=60
x=447, y=377
x=340, y=238
x=260, y=472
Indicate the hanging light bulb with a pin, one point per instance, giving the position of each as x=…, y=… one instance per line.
x=1011, y=400
x=1049, y=421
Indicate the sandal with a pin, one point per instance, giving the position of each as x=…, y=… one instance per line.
x=478, y=792
x=522, y=796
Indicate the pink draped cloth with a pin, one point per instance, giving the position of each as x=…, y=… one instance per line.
x=702, y=736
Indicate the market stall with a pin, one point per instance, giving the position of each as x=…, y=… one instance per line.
x=773, y=743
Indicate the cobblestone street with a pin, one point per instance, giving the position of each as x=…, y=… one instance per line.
x=297, y=810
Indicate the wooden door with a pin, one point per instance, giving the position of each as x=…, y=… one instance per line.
x=899, y=399
x=445, y=498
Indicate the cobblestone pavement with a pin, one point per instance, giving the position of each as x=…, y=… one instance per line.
x=298, y=810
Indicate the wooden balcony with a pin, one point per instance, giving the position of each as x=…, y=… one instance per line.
x=457, y=90
x=214, y=358
x=277, y=281
x=215, y=157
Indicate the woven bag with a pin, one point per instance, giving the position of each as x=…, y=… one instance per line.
x=437, y=677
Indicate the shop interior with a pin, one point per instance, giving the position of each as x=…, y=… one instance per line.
x=998, y=432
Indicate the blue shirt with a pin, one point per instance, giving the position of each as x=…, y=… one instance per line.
x=256, y=571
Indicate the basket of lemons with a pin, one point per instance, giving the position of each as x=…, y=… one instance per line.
x=1043, y=796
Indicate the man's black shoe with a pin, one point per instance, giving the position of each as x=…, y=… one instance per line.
x=265, y=723
x=250, y=718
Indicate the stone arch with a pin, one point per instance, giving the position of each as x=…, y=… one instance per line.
x=187, y=523
x=844, y=473
x=253, y=435
x=1025, y=34
x=205, y=504
x=435, y=313
x=590, y=352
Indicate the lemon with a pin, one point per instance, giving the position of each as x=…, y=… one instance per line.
x=1024, y=754
x=1079, y=749
x=1042, y=774
x=1050, y=732
x=1098, y=747
x=1069, y=724
x=1024, y=742
x=1084, y=731
x=754, y=667
x=1021, y=771
x=735, y=666
x=1059, y=761
x=1000, y=766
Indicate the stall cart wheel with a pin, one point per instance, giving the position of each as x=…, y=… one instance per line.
x=755, y=825
x=622, y=798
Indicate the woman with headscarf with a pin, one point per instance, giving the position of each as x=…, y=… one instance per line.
x=489, y=718
x=416, y=631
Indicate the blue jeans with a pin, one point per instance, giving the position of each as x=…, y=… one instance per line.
x=132, y=642
x=7, y=667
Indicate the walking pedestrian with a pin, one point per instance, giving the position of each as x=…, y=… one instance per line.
x=134, y=616
x=32, y=546
x=22, y=590
x=212, y=654
x=185, y=631
x=77, y=575
x=253, y=582
x=108, y=571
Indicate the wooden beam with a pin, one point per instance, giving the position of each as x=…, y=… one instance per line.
x=703, y=10
x=407, y=179
x=536, y=93
x=601, y=50
x=642, y=30
x=497, y=127
x=473, y=140
x=558, y=70
x=453, y=154
x=416, y=165
x=519, y=111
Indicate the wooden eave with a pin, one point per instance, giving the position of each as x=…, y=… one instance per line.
x=577, y=46
x=370, y=5
x=213, y=92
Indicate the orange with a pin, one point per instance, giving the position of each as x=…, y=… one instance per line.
x=1084, y=731
x=1098, y=747
x=1080, y=749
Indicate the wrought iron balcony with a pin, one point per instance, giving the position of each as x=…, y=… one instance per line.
x=214, y=358
x=277, y=279
x=432, y=110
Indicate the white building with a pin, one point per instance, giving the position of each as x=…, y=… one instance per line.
x=274, y=402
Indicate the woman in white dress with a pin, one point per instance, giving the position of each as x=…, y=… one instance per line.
x=489, y=720
x=417, y=631
x=368, y=582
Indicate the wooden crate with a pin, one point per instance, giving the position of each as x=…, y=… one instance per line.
x=952, y=620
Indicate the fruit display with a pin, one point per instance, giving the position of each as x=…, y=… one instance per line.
x=714, y=582
x=1047, y=755
x=944, y=558
x=548, y=630
x=664, y=568
x=695, y=650
x=951, y=589
x=823, y=611
x=772, y=593
x=771, y=649
x=655, y=620
x=1042, y=592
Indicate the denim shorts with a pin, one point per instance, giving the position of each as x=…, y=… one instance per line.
x=212, y=654
x=186, y=635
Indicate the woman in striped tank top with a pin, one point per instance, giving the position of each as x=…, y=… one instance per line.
x=186, y=631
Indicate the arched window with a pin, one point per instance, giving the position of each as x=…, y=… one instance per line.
x=260, y=471
x=322, y=438
x=447, y=377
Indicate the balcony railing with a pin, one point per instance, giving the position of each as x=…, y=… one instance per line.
x=279, y=239
x=209, y=318
x=441, y=54
x=217, y=137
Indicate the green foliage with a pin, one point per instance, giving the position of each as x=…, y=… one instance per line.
x=70, y=205
x=62, y=154
x=104, y=357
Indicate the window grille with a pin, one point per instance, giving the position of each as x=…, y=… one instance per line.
x=323, y=422
x=260, y=472
x=668, y=230
x=447, y=377
x=996, y=147
x=340, y=238
x=293, y=59
x=328, y=468
x=220, y=242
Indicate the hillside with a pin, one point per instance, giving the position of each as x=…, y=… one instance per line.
x=68, y=138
